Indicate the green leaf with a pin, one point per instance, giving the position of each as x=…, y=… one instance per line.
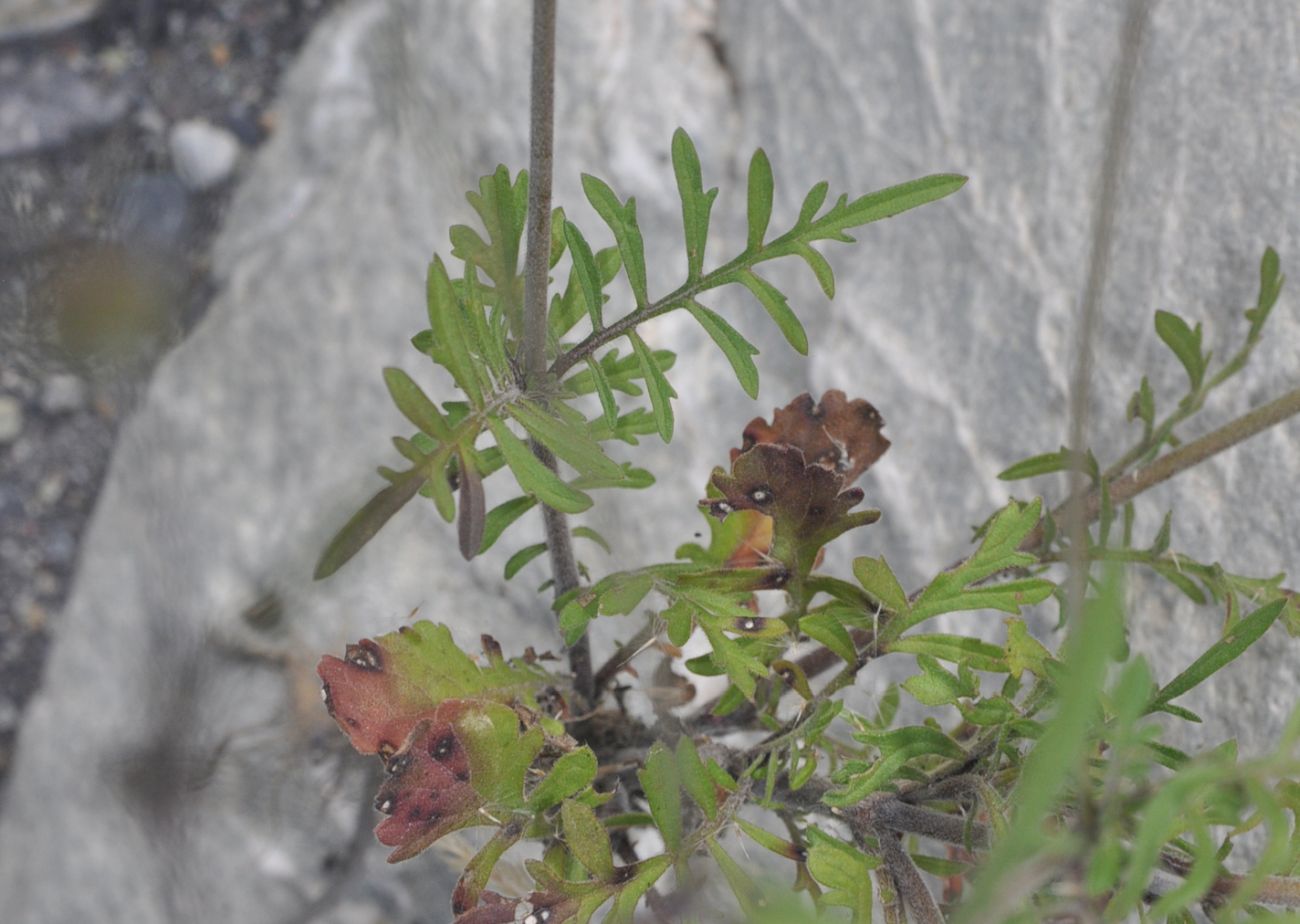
x=574, y=618
x=999, y=551
x=572, y=773
x=663, y=791
x=1270, y=287
x=363, y=525
x=608, y=406
x=736, y=348
x=586, y=532
x=502, y=206
x=1024, y=652
x=775, y=304
x=584, y=268
x=532, y=475
x=660, y=391
x=959, y=649
x=742, y=886
x=517, y=561
x=897, y=747
x=935, y=686
x=820, y=267
x=622, y=221
x=877, y=579
x=1055, y=762
x=587, y=839
x=1142, y=406
x=439, y=488
x=1240, y=637
x=811, y=203
x=472, y=520
x=696, y=203
x=564, y=439
x=1059, y=461
x=500, y=517
x=828, y=629
x=885, y=203
x=1185, y=341
x=415, y=405
x=695, y=778
x=846, y=872
x=450, y=333
x=626, y=591
x=759, y=198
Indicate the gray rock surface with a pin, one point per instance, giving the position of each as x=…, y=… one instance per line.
x=177, y=766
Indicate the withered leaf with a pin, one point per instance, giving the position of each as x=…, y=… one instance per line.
x=802, y=499
x=840, y=435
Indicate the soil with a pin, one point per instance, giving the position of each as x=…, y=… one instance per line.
x=104, y=258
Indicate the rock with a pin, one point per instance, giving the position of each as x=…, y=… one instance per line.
x=32, y=18
x=62, y=393
x=11, y=419
x=203, y=154
x=45, y=102
x=153, y=210
x=260, y=433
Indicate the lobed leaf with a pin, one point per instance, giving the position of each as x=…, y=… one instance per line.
x=696, y=203
x=1185, y=342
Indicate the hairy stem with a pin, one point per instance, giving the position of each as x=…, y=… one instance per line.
x=559, y=544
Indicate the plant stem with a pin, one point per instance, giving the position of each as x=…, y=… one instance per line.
x=1184, y=457
x=559, y=544
x=541, y=147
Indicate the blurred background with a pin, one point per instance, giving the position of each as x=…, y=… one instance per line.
x=214, y=223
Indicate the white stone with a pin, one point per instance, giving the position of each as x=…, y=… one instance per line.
x=203, y=154
x=62, y=393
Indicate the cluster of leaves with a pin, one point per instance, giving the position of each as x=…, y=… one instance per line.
x=476, y=334
x=1049, y=767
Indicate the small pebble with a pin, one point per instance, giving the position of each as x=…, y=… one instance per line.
x=51, y=489
x=62, y=393
x=11, y=419
x=203, y=154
